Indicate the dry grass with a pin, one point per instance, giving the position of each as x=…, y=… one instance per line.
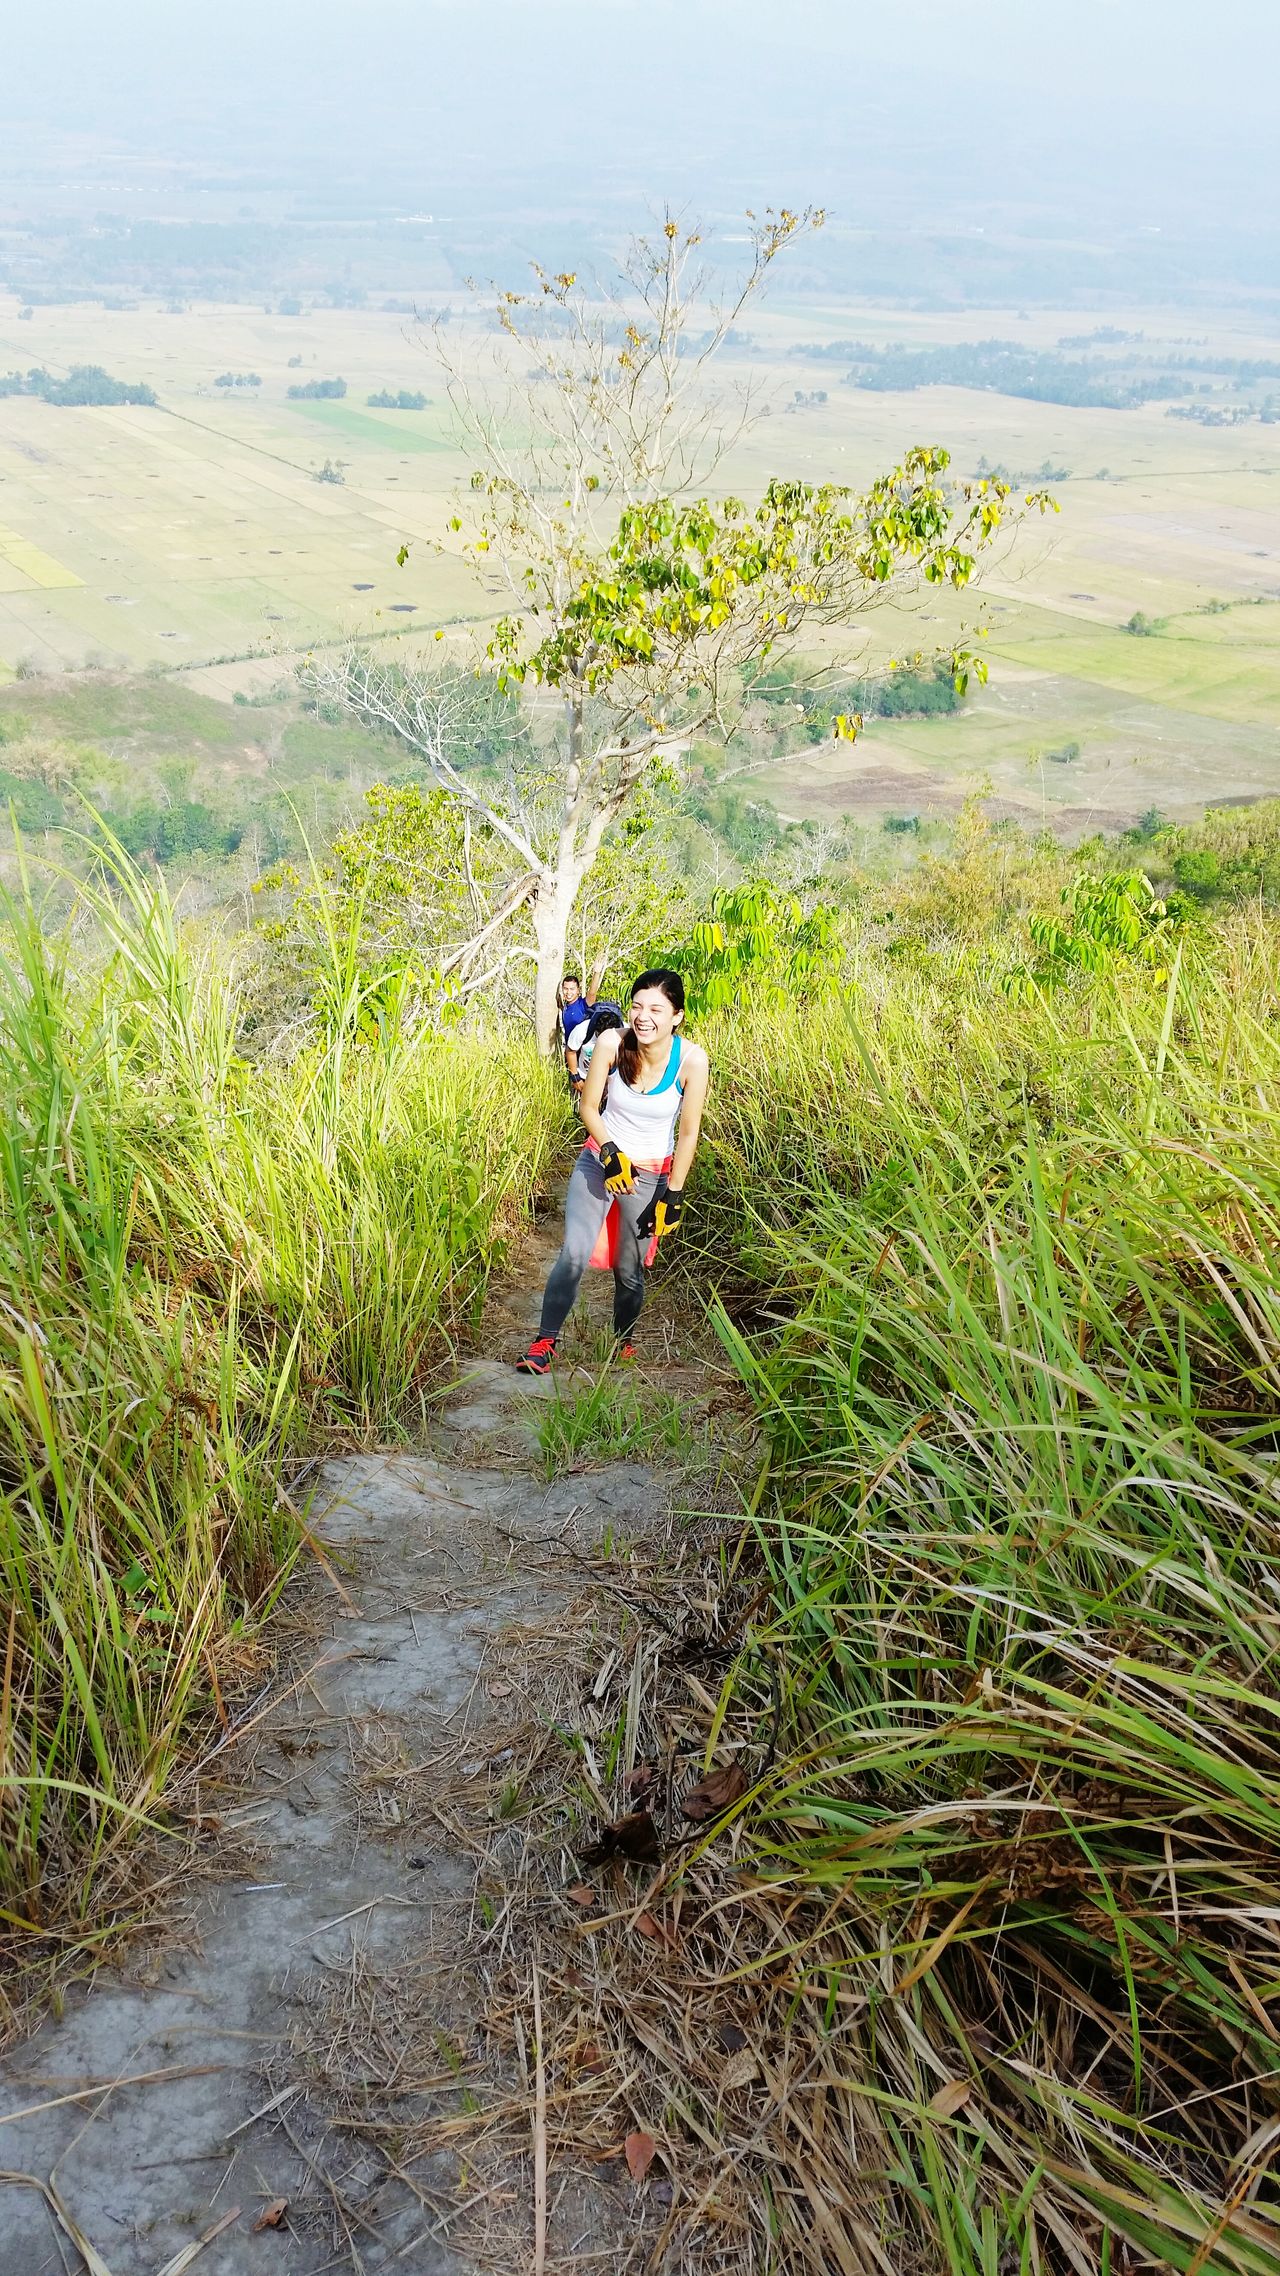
x=671, y=2002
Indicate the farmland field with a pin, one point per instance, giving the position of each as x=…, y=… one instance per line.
x=200, y=537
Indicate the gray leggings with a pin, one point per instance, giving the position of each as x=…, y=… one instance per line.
x=585, y=1209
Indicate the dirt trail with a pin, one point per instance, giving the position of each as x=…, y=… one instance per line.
x=169, y=2093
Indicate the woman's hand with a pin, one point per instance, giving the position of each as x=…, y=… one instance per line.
x=619, y=1176
x=662, y=1215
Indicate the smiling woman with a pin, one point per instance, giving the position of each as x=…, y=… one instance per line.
x=627, y=1187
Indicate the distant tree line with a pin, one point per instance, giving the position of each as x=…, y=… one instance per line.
x=404, y=400
x=163, y=832
x=1002, y=368
x=1223, y=414
x=904, y=693
x=1103, y=336
x=85, y=384
x=318, y=391
x=238, y=379
x=1229, y=367
x=1018, y=478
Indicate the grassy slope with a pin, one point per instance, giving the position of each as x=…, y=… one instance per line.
x=199, y=1258
x=154, y=709
x=1022, y=1531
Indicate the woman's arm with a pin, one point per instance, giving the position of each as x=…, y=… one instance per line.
x=602, y=1060
x=695, y=1098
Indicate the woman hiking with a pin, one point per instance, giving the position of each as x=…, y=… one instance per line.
x=641, y=1082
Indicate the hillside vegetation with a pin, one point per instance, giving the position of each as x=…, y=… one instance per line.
x=204, y=1263
x=1019, y=1523
x=990, y=1210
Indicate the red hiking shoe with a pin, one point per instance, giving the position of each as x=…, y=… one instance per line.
x=537, y=1360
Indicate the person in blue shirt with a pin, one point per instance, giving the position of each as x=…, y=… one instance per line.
x=576, y=1009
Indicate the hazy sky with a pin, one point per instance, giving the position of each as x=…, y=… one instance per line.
x=1147, y=110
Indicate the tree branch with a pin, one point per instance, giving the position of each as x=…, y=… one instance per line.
x=370, y=691
x=471, y=947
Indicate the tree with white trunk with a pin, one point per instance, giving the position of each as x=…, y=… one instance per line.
x=635, y=588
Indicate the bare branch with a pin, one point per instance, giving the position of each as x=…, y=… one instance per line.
x=410, y=707
x=515, y=899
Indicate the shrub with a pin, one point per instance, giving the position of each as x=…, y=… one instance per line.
x=1018, y=1535
x=197, y=1256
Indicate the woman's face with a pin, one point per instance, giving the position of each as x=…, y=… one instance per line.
x=653, y=1016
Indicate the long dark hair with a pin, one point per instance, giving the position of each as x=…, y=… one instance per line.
x=672, y=986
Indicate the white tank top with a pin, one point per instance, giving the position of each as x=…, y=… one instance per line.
x=643, y=1123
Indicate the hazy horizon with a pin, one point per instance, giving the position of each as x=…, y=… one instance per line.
x=1116, y=117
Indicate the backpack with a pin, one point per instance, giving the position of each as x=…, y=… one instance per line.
x=593, y=1024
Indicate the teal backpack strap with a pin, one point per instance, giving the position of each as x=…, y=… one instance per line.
x=671, y=1071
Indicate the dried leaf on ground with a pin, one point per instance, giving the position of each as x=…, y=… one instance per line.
x=657, y=1931
x=641, y=1783
x=272, y=2215
x=634, y=1837
x=579, y=1894
x=640, y=2150
x=951, y=2097
x=715, y=1793
x=739, y=2071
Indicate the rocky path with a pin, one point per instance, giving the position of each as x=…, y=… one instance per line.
x=164, y=2120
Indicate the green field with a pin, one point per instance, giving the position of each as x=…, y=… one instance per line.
x=196, y=538
x=1181, y=720
x=1189, y=670
x=400, y=431
x=199, y=531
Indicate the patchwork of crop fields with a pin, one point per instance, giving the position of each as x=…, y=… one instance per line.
x=199, y=530
x=198, y=537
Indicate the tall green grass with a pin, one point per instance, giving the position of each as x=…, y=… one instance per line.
x=1022, y=1529
x=200, y=1259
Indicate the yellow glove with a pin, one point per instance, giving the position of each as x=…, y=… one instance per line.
x=662, y=1215
x=619, y=1177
